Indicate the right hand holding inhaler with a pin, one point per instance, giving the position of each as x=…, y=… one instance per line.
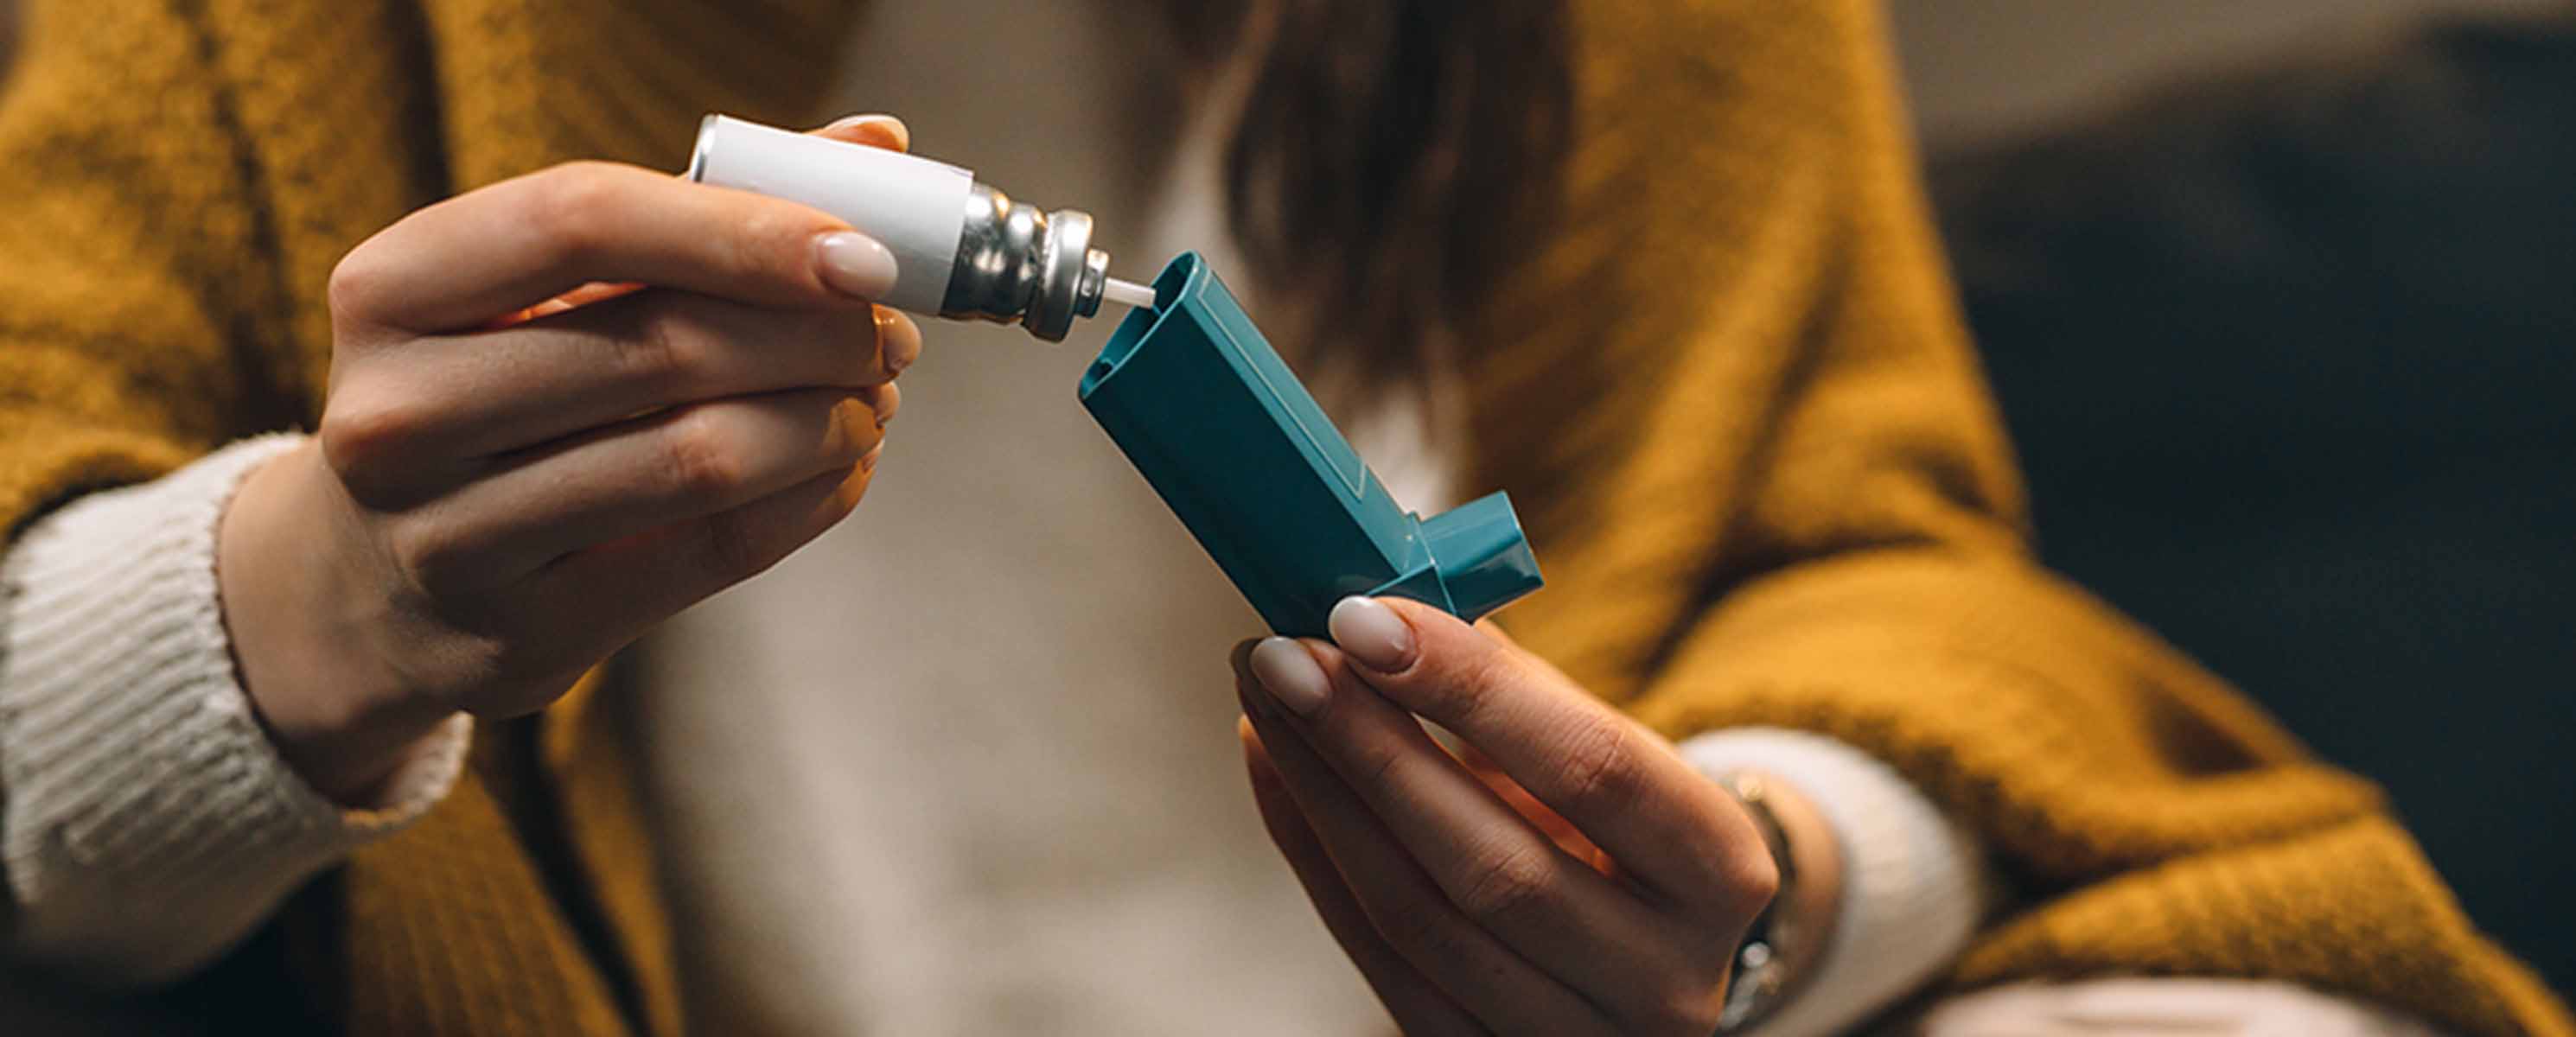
x=527, y=460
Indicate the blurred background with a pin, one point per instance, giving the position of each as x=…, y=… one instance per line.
x=1981, y=68
x=2279, y=297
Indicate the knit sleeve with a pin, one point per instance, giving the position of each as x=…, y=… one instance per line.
x=149, y=822
x=1914, y=884
x=165, y=236
x=2112, y=1007
x=1758, y=461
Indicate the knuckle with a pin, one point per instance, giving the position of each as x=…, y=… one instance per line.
x=1450, y=694
x=1456, y=692
x=1600, y=766
x=1749, y=880
x=1739, y=883
x=1509, y=883
x=699, y=459
x=1377, y=762
x=667, y=346
x=357, y=283
x=362, y=429
x=439, y=560
x=573, y=208
x=1423, y=929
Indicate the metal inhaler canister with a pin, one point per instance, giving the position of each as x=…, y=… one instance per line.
x=1211, y=416
x=961, y=249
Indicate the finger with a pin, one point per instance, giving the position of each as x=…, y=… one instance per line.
x=629, y=585
x=462, y=262
x=1540, y=815
x=620, y=481
x=1558, y=912
x=873, y=130
x=1409, y=910
x=1417, y=1005
x=437, y=401
x=1669, y=827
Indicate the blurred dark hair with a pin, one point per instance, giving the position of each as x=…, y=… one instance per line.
x=1391, y=155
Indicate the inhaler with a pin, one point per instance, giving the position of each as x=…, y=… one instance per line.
x=1188, y=388
x=961, y=248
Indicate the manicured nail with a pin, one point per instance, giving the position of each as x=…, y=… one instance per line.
x=1290, y=674
x=868, y=461
x=853, y=263
x=893, y=127
x=898, y=340
x=1372, y=634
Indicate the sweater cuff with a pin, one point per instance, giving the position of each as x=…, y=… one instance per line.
x=150, y=821
x=1914, y=883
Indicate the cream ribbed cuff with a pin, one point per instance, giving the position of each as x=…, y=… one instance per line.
x=1913, y=882
x=149, y=823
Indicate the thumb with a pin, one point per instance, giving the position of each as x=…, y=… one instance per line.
x=1419, y=657
x=875, y=131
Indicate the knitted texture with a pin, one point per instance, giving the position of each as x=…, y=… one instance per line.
x=187, y=175
x=2121, y=1006
x=1770, y=490
x=1730, y=391
x=1914, y=885
x=452, y=928
x=150, y=821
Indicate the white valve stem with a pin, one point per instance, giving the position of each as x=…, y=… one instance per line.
x=1128, y=293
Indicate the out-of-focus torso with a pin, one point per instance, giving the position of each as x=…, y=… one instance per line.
x=966, y=765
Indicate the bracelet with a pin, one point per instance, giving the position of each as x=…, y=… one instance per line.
x=1761, y=965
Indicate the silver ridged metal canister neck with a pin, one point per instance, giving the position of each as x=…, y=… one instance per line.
x=1017, y=264
x=961, y=248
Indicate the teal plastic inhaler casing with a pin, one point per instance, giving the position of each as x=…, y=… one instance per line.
x=1213, y=418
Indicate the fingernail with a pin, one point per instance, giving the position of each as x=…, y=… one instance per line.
x=1372, y=634
x=884, y=402
x=898, y=340
x=1289, y=673
x=893, y=126
x=868, y=461
x=855, y=264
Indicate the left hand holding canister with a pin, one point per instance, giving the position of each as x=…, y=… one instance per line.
x=1592, y=883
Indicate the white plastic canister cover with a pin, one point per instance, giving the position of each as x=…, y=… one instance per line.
x=915, y=207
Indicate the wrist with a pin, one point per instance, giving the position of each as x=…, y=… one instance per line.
x=1912, y=882
x=1780, y=951
x=298, y=636
x=1807, y=912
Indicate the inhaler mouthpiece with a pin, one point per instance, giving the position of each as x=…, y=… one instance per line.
x=961, y=248
x=1212, y=417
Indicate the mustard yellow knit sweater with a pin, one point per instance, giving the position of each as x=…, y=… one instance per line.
x=1732, y=396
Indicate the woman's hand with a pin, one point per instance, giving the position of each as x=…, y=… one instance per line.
x=562, y=408
x=1609, y=900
